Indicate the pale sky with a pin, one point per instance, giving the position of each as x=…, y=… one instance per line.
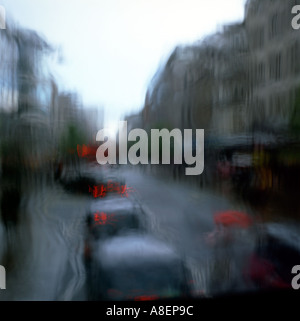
x=112, y=48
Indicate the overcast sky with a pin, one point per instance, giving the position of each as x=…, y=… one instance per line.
x=112, y=48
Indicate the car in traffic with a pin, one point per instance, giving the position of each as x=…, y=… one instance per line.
x=109, y=218
x=137, y=267
x=277, y=251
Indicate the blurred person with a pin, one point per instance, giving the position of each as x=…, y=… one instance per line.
x=58, y=171
x=11, y=189
x=276, y=252
x=11, y=196
x=227, y=223
x=262, y=272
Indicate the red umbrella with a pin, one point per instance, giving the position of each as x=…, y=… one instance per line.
x=233, y=218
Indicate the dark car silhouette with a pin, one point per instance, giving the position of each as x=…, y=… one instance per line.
x=137, y=267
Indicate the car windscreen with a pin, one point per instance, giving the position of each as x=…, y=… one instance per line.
x=144, y=281
x=113, y=224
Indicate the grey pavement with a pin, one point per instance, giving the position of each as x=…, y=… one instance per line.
x=48, y=247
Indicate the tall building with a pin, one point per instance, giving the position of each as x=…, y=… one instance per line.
x=166, y=92
x=8, y=70
x=205, y=85
x=242, y=79
x=34, y=82
x=230, y=59
x=26, y=94
x=275, y=67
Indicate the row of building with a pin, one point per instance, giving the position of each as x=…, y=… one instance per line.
x=242, y=80
x=35, y=115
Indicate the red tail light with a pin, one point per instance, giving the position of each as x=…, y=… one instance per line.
x=87, y=250
x=146, y=298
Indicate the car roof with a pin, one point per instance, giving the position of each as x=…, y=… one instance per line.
x=117, y=213
x=135, y=249
x=285, y=232
x=112, y=204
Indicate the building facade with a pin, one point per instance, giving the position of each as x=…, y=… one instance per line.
x=275, y=67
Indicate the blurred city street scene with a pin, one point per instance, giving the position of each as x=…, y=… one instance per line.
x=72, y=229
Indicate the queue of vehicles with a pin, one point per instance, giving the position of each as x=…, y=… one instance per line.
x=123, y=259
